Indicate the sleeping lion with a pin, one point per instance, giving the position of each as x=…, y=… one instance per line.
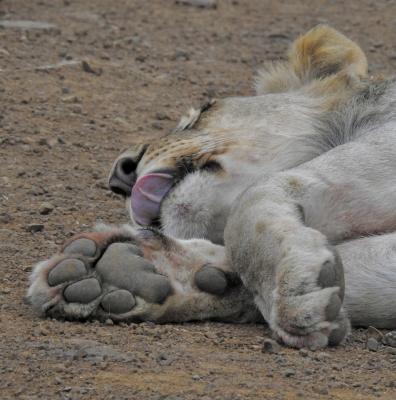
x=276, y=208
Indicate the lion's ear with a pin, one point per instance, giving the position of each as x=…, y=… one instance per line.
x=321, y=53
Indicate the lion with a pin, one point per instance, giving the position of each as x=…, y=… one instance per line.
x=276, y=208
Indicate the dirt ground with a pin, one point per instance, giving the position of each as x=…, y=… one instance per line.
x=62, y=122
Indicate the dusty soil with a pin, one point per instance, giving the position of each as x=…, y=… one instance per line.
x=61, y=125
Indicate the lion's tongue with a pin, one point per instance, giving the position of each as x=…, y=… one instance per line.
x=147, y=194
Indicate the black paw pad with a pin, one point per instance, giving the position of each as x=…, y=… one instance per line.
x=83, y=291
x=153, y=288
x=66, y=270
x=332, y=274
x=211, y=280
x=333, y=308
x=83, y=246
x=118, y=302
x=121, y=267
x=337, y=335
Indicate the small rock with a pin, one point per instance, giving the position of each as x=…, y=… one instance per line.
x=46, y=208
x=322, y=356
x=289, y=372
x=162, y=356
x=70, y=99
x=109, y=322
x=373, y=332
x=378, y=45
x=43, y=332
x=76, y=109
x=278, y=35
x=196, y=377
x=390, y=339
x=372, y=344
x=157, y=125
x=270, y=346
x=91, y=68
x=27, y=25
x=181, y=54
x=161, y=116
x=33, y=228
x=303, y=352
x=198, y=3
x=5, y=218
x=323, y=391
x=391, y=350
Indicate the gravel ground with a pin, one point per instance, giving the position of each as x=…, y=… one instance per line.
x=77, y=86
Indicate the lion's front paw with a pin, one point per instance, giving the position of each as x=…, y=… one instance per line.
x=307, y=302
x=128, y=276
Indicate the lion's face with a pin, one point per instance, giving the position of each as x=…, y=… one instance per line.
x=186, y=182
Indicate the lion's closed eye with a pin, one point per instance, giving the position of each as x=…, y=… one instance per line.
x=212, y=166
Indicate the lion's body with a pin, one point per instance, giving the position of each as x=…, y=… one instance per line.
x=286, y=180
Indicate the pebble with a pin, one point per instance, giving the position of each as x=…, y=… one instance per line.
x=372, y=344
x=109, y=322
x=289, y=372
x=270, y=346
x=157, y=125
x=33, y=228
x=323, y=391
x=390, y=339
x=322, y=356
x=161, y=116
x=91, y=68
x=46, y=208
x=5, y=218
x=303, y=352
x=26, y=25
x=181, y=54
x=71, y=99
x=198, y=3
x=391, y=350
x=373, y=332
x=76, y=109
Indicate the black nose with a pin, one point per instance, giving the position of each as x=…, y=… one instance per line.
x=123, y=176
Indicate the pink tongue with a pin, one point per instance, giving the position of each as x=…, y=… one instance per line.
x=147, y=194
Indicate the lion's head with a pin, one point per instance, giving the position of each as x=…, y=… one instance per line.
x=186, y=182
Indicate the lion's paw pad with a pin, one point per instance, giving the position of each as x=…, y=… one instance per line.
x=66, y=270
x=83, y=246
x=92, y=278
x=83, y=291
x=308, y=308
x=118, y=301
x=103, y=275
x=211, y=280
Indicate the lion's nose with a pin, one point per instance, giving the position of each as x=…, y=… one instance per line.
x=123, y=176
x=123, y=173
